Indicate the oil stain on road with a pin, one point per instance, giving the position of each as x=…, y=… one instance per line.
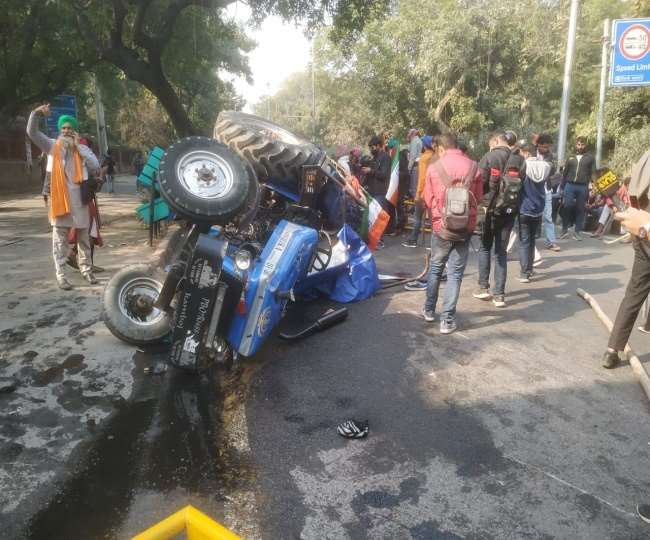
x=166, y=437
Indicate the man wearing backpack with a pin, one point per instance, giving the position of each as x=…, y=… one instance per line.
x=502, y=174
x=452, y=190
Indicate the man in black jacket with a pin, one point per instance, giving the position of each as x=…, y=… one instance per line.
x=575, y=189
x=377, y=173
x=496, y=228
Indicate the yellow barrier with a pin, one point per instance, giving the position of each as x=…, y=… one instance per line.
x=194, y=523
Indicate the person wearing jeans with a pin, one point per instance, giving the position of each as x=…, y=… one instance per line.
x=428, y=156
x=454, y=255
x=496, y=232
x=528, y=226
x=447, y=246
x=498, y=224
x=574, y=199
x=549, y=223
x=576, y=176
x=531, y=207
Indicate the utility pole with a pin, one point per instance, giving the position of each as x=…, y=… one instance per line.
x=566, y=88
x=313, y=95
x=102, y=138
x=600, y=120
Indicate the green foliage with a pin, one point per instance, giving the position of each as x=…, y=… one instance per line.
x=629, y=148
x=39, y=56
x=471, y=66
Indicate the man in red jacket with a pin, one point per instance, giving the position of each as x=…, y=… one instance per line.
x=449, y=245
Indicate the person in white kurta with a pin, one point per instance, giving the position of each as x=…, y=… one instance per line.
x=78, y=216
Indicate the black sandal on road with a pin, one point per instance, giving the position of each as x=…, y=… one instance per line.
x=352, y=429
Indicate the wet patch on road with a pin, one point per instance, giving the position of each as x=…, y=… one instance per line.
x=48, y=321
x=12, y=337
x=431, y=529
x=76, y=328
x=168, y=436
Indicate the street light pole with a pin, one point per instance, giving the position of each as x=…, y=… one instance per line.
x=566, y=88
x=102, y=138
x=313, y=95
x=600, y=120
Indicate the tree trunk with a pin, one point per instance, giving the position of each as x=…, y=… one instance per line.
x=442, y=104
x=151, y=76
x=170, y=101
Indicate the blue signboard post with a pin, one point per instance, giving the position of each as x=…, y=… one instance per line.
x=630, y=53
x=59, y=106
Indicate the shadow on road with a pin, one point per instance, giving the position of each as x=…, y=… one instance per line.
x=166, y=436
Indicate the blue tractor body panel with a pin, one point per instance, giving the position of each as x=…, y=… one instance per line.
x=284, y=260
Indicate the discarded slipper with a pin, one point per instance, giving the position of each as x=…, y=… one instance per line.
x=643, y=511
x=353, y=429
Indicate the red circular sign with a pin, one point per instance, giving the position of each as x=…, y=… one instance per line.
x=635, y=42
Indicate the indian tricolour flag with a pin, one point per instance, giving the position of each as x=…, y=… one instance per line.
x=375, y=219
x=373, y=222
x=392, y=195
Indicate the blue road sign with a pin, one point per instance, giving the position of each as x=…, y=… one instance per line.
x=59, y=106
x=630, y=64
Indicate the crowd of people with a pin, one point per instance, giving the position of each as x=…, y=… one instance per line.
x=516, y=191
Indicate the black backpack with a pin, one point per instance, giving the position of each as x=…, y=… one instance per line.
x=507, y=198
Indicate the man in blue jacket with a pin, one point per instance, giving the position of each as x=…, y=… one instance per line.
x=531, y=208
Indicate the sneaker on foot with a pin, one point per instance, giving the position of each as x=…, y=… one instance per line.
x=416, y=286
x=428, y=316
x=90, y=278
x=353, y=429
x=482, y=294
x=447, y=326
x=524, y=279
x=577, y=236
x=499, y=301
x=63, y=284
x=610, y=359
x=410, y=244
x=553, y=247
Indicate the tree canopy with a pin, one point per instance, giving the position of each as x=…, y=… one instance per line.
x=175, y=49
x=470, y=66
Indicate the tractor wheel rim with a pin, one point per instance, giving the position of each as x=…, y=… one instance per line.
x=205, y=174
x=136, y=300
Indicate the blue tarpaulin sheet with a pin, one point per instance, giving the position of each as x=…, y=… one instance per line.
x=361, y=280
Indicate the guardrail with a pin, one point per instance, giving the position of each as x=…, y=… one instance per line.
x=194, y=523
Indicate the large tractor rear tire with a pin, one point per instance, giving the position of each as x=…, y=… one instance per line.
x=275, y=153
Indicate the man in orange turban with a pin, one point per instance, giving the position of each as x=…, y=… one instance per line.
x=68, y=164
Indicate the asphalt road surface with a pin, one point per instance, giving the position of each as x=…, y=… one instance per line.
x=508, y=428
